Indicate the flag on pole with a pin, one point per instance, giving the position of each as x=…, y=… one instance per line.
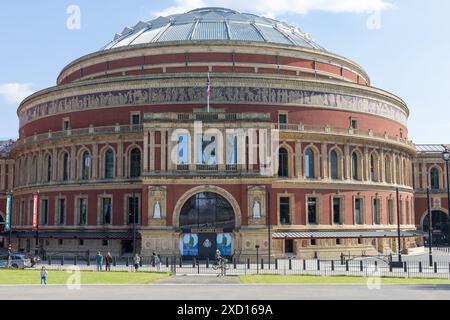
x=208, y=86
x=8, y=212
x=35, y=211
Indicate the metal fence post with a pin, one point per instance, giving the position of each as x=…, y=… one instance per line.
x=290, y=264
x=405, y=266
x=376, y=266
x=128, y=262
x=420, y=266
x=346, y=266
x=114, y=262
x=276, y=264
x=207, y=263
x=304, y=265
x=248, y=263
x=49, y=260
x=262, y=264
x=181, y=262
x=167, y=262
x=332, y=265
x=75, y=260
x=62, y=261
x=361, y=266
x=194, y=262
x=234, y=263
x=435, y=267
x=318, y=265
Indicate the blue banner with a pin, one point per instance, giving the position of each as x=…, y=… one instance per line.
x=189, y=245
x=224, y=243
x=8, y=212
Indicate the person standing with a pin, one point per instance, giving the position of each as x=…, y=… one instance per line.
x=157, y=260
x=108, y=261
x=44, y=274
x=99, y=260
x=136, y=262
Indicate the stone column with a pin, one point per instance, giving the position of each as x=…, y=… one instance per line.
x=40, y=168
x=325, y=174
x=424, y=175
x=163, y=150
x=54, y=164
x=73, y=168
x=152, y=150
x=298, y=159
x=120, y=159
x=383, y=167
x=95, y=162
x=3, y=175
x=10, y=185
x=366, y=165
x=146, y=151
x=347, y=161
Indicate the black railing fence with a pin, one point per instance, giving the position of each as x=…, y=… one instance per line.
x=250, y=265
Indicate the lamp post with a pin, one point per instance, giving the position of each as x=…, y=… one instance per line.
x=257, y=259
x=133, y=201
x=430, y=227
x=446, y=158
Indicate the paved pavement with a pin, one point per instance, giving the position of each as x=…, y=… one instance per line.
x=213, y=288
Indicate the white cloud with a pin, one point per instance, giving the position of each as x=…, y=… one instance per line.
x=14, y=93
x=271, y=8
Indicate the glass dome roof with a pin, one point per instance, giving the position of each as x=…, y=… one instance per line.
x=213, y=24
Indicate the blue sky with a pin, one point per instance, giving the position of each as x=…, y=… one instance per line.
x=404, y=45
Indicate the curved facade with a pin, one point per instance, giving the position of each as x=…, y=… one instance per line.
x=295, y=140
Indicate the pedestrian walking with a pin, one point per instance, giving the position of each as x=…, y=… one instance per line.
x=157, y=260
x=136, y=262
x=99, y=260
x=108, y=261
x=44, y=274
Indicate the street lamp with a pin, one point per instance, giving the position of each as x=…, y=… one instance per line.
x=446, y=158
x=257, y=258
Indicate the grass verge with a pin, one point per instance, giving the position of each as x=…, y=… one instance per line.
x=279, y=279
x=32, y=277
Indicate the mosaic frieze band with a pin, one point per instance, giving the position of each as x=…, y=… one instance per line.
x=247, y=95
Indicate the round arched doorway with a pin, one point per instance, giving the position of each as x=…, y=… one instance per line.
x=440, y=228
x=207, y=221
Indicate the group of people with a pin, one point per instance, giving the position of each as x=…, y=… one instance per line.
x=108, y=261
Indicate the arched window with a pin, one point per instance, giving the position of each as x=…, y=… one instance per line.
x=355, y=166
x=283, y=165
x=65, y=167
x=135, y=163
x=49, y=169
x=373, y=168
x=309, y=164
x=85, y=166
x=434, y=179
x=334, y=167
x=109, y=164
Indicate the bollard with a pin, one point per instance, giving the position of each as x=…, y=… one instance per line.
x=435, y=267
x=405, y=267
x=181, y=262
x=262, y=264
x=75, y=260
x=318, y=265
x=304, y=265
x=290, y=264
x=420, y=267
x=248, y=263
x=332, y=265
x=167, y=262
x=346, y=266
x=207, y=263
x=276, y=264
x=361, y=266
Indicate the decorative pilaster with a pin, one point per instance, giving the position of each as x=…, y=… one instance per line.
x=120, y=159
x=72, y=163
x=95, y=162
x=146, y=151
x=325, y=174
x=347, y=161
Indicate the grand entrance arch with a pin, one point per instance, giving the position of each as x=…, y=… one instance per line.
x=207, y=218
x=440, y=228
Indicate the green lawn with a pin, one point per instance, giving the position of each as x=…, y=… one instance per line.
x=279, y=279
x=30, y=277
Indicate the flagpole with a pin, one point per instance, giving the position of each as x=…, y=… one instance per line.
x=208, y=92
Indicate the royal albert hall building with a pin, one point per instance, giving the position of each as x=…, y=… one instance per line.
x=126, y=146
